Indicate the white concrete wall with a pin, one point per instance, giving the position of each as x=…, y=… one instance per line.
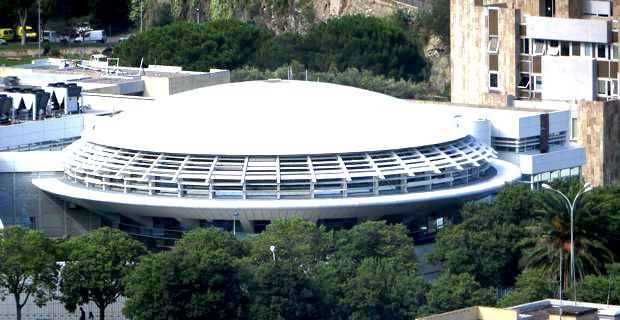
x=581, y=30
x=31, y=161
x=112, y=102
x=560, y=158
x=568, y=78
x=40, y=131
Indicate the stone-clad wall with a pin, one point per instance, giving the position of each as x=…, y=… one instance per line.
x=469, y=58
x=599, y=133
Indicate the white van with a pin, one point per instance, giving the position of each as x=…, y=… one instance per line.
x=92, y=36
x=50, y=36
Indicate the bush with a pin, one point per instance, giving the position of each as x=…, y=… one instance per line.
x=352, y=77
x=226, y=44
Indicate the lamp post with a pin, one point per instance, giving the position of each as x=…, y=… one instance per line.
x=235, y=216
x=198, y=15
x=571, y=206
x=273, y=252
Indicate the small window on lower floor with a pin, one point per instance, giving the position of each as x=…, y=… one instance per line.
x=574, y=128
x=493, y=45
x=493, y=80
x=539, y=47
x=524, y=81
x=564, y=48
x=601, y=87
x=538, y=83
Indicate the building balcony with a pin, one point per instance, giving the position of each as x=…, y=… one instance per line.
x=563, y=29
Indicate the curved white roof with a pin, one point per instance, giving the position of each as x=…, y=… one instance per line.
x=275, y=117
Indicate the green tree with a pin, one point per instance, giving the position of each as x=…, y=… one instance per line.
x=297, y=242
x=375, y=239
x=384, y=288
x=17, y=9
x=224, y=44
x=483, y=245
x=603, y=289
x=27, y=266
x=194, y=280
x=434, y=17
x=363, y=79
x=368, y=248
x=549, y=236
x=279, y=50
x=530, y=286
x=154, y=13
x=211, y=239
x=97, y=262
x=363, y=42
x=284, y=291
x=456, y=291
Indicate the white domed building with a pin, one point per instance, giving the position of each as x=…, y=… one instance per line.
x=261, y=150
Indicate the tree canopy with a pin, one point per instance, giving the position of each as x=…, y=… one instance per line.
x=96, y=264
x=198, y=279
x=226, y=44
x=27, y=266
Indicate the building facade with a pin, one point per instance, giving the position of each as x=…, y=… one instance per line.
x=557, y=54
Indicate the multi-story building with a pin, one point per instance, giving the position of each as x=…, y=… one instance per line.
x=561, y=54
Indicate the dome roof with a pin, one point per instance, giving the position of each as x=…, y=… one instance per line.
x=275, y=117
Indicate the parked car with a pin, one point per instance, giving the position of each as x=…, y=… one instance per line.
x=92, y=36
x=7, y=34
x=50, y=36
x=3, y=42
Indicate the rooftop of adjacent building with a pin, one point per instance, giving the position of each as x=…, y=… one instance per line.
x=537, y=310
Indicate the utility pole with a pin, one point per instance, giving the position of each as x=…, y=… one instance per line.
x=40, y=34
x=141, y=13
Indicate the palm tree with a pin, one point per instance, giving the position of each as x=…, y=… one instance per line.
x=549, y=234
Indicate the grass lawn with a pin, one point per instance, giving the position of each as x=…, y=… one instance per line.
x=15, y=61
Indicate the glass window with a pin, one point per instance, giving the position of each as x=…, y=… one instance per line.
x=554, y=48
x=587, y=49
x=601, y=51
x=565, y=48
x=524, y=81
x=539, y=47
x=575, y=49
x=493, y=45
x=574, y=128
x=614, y=51
x=614, y=87
x=538, y=83
x=525, y=45
x=601, y=87
x=493, y=80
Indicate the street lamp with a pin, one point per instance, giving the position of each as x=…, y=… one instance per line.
x=571, y=206
x=273, y=252
x=198, y=15
x=235, y=216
